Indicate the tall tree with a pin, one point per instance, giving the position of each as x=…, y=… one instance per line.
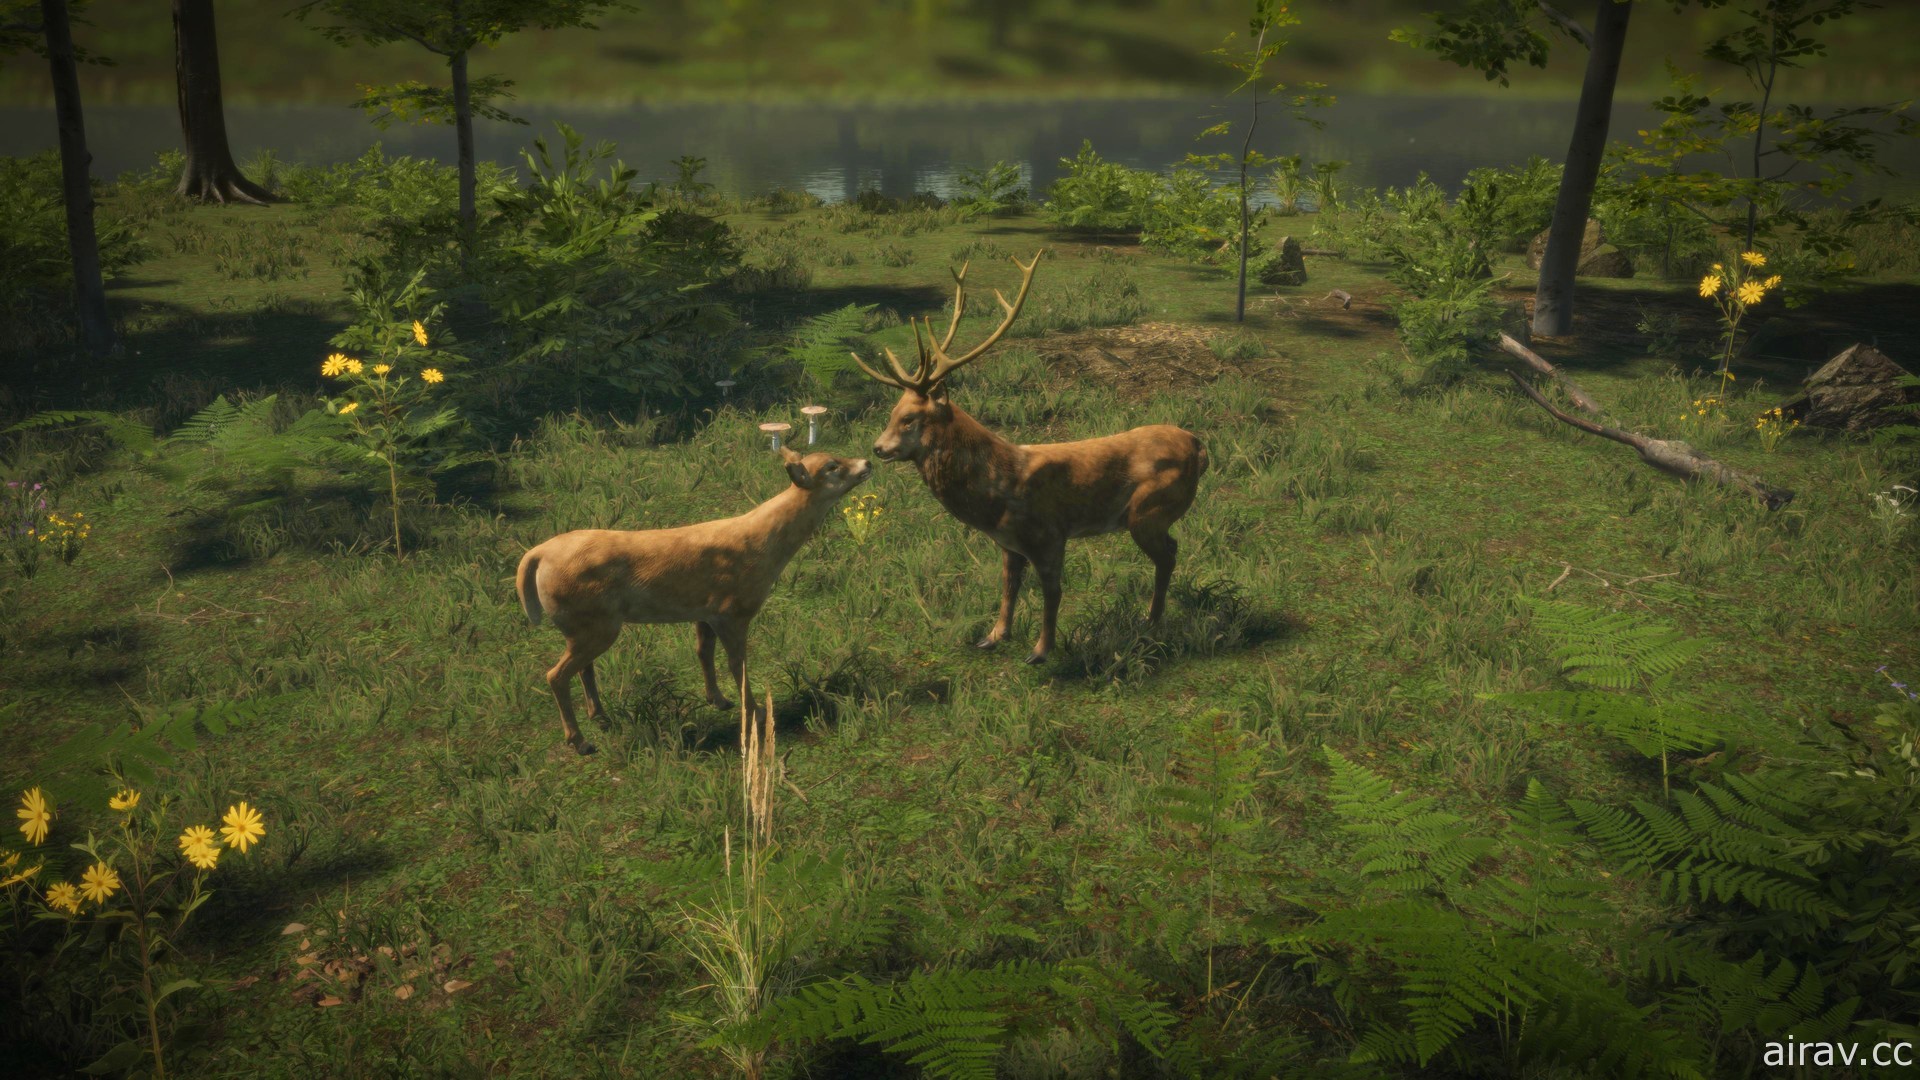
x=452, y=29
x=1492, y=34
x=210, y=174
x=52, y=37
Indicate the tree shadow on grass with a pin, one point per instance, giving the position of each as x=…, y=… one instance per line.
x=169, y=345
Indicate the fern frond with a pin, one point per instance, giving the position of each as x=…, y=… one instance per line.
x=1611, y=650
x=78, y=767
x=126, y=434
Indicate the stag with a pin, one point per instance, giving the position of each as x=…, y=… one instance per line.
x=1032, y=499
x=715, y=575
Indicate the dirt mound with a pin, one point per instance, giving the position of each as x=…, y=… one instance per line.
x=1144, y=359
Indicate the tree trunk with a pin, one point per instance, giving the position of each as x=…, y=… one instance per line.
x=1553, y=298
x=90, y=293
x=463, y=138
x=210, y=175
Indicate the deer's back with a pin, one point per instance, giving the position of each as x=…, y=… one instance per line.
x=655, y=575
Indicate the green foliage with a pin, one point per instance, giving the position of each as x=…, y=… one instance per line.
x=824, y=344
x=1190, y=216
x=996, y=189
x=96, y=761
x=1098, y=194
x=384, y=189
x=37, y=288
x=1489, y=35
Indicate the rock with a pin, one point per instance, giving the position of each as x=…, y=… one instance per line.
x=1589, y=243
x=1852, y=391
x=1606, y=261
x=1517, y=322
x=1288, y=265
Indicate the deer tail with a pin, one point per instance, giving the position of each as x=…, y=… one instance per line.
x=529, y=591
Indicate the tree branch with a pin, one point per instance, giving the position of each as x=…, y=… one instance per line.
x=1567, y=23
x=1669, y=456
x=1534, y=360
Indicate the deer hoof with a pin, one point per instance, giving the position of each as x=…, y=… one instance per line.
x=720, y=703
x=987, y=642
x=583, y=748
x=1037, y=658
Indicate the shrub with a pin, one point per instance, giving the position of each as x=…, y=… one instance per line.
x=1097, y=194
x=36, y=289
x=996, y=189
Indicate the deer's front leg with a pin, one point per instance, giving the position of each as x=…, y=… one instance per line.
x=703, y=642
x=1049, y=568
x=1013, y=567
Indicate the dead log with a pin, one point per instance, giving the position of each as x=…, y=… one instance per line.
x=1534, y=360
x=1669, y=456
x=1342, y=295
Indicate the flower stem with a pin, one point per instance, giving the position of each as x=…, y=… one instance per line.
x=393, y=487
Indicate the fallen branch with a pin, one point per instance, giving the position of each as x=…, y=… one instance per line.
x=1669, y=456
x=1534, y=360
x=1342, y=295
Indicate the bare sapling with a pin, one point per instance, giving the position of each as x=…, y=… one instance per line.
x=715, y=575
x=1032, y=499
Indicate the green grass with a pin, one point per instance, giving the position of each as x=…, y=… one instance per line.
x=926, y=49
x=1348, y=577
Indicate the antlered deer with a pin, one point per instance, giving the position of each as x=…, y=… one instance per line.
x=716, y=575
x=1032, y=499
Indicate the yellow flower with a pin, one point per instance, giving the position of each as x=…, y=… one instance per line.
x=9, y=862
x=23, y=875
x=99, y=882
x=335, y=364
x=64, y=896
x=1752, y=292
x=349, y=407
x=419, y=333
x=1709, y=285
x=1753, y=259
x=243, y=826
x=382, y=369
x=35, y=816
x=1717, y=268
x=432, y=375
x=204, y=856
x=125, y=801
x=196, y=836
x=1773, y=282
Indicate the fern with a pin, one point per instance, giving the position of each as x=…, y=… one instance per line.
x=955, y=1022
x=78, y=769
x=1616, y=651
x=824, y=343
x=128, y=435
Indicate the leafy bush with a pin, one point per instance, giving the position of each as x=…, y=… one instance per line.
x=996, y=189
x=384, y=188
x=1097, y=194
x=1188, y=215
x=1526, y=207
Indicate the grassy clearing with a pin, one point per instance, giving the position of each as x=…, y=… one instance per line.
x=1349, y=577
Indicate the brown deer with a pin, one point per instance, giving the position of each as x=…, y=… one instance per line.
x=715, y=575
x=1032, y=499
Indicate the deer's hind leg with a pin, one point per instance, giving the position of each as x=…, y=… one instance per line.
x=703, y=642
x=584, y=644
x=1163, y=550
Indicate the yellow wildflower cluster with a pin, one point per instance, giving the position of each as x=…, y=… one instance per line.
x=862, y=513
x=66, y=534
x=242, y=827
x=1773, y=425
x=339, y=365
x=1703, y=407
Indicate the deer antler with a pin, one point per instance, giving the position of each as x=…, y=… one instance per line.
x=934, y=363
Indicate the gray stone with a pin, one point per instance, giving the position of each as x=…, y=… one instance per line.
x=1589, y=243
x=1288, y=265
x=1852, y=391
x=1606, y=261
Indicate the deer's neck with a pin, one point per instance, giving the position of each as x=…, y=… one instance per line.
x=972, y=471
x=786, y=522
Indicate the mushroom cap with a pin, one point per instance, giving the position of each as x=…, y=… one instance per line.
x=812, y=410
x=776, y=427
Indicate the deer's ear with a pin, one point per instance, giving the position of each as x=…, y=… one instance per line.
x=796, y=468
x=938, y=393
